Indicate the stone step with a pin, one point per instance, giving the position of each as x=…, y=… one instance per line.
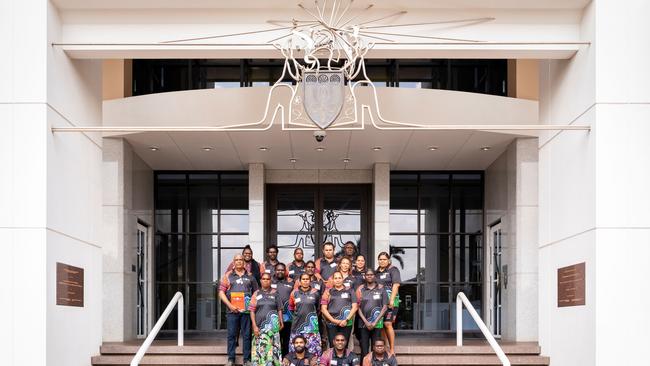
x=448, y=360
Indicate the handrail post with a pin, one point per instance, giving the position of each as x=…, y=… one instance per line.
x=181, y=321
x=459, y=323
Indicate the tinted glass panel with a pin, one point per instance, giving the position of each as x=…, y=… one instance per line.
x=170, y=258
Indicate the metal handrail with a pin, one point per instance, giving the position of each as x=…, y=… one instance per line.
x=462, y=299
x=178, y=298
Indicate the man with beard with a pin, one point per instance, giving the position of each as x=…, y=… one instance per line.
x=339, y=355
x=379, y=356
x=300, y=357
x=326, y=266
x=283, y=288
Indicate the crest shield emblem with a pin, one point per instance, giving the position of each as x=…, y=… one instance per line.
x=323, y=97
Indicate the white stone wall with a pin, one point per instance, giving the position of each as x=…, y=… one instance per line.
x=594, y=190
x=511, y=197
x=127, y=183
x=50, y=190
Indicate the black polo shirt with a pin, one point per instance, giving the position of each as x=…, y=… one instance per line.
x=339, y=302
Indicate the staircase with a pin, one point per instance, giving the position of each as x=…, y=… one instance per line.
x=410, y=351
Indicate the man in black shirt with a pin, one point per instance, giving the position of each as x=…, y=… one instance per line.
x=339, y=355
x=379, y=356
x=283, y=287
x=268, y=265
x=300, y=357
x=326, y=266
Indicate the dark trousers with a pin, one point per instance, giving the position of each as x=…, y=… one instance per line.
x=239, y=322
x=368, y=338
x=285, y=334
x=333, y=330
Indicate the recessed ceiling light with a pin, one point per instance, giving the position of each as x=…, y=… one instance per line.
x=320, y=148
x=263, y=148
x=376, y=148
x=153, y=148
x=346, y=160
x=433, y=148
x=293, y=160
x=207, y=148
x=485, y=148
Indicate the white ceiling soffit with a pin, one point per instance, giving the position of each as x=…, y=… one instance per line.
x=262, y=4
x=235, y=150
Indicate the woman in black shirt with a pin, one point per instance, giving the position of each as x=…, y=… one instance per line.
x=266, y=318
x=338, y=305
x=389, y=276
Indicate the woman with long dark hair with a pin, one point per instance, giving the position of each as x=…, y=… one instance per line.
x=389, y=276
x=266, y=318
x=373, y=302
x=303, y=302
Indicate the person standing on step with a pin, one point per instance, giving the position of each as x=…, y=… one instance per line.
x=268, y=266
x=379, y=356
x=284, y=287
x=339, y=355
x=326, y=266
x=389, y=276
x=300, y=356
x=315, y=282
x=297, y=267
x=304, y=302
x=358, y=273
x=235, y=291
x=338, y=306
x=373, y=302
x=349, y=251
x=266, y=318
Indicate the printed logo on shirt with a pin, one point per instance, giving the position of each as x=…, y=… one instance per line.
x=259, y=297
x=291, y=272
x=267, y=271
x=274, y=285
x=239, y=281
x=333, y=362
x=298, y=299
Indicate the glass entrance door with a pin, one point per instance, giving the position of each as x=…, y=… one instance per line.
x=305, y=216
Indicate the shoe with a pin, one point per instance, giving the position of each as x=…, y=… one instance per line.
x=248, y=363
x=230, y=363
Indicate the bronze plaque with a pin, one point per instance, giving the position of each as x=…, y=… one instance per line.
x=571, y=285
x=69, y=285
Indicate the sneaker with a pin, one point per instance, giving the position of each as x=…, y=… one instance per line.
x=248, y=363
x=230, y=363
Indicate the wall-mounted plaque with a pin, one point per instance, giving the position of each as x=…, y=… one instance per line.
x=69, y=285
x=571, y=285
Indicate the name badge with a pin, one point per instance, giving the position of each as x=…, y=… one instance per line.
x=383, y=276
x=274, y=285
x=259, y=297
x=347, y=285
x=291, y=272
x=297, y=299
x=333, y=264
x=317, y=286
x=345, y=295
x=291, y=364
x=267, y=271
x=376, y=297
x=333, y=362
x=239, y=281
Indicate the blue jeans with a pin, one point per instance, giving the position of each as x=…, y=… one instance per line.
x=239, y=322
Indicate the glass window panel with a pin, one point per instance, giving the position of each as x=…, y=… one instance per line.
x=405, y=259
x=234, y=221
x=403, y=241
x=403, y=209
x=170, y=258
x=342, y=220
x=170, y=207
x=434, y=203
x=200, y=263
x=201, y=307
x=296, y=211
x=434, y=307
x=474, y=295
x=467, y=201
x=164, y=294
x=234, y=197
x=170, y=179
x=467, y=258
x=203, y=210
x=408, y=297
x=434, y=258
x=234, y=241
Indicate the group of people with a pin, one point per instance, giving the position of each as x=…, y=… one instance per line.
x=304, y=313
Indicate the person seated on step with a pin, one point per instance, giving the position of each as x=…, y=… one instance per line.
x=379, y=356
x=300, y=356
x=339, y=355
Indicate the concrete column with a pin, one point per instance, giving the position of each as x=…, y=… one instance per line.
x=381, y=207
x=593, y=190
x=256, y=187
